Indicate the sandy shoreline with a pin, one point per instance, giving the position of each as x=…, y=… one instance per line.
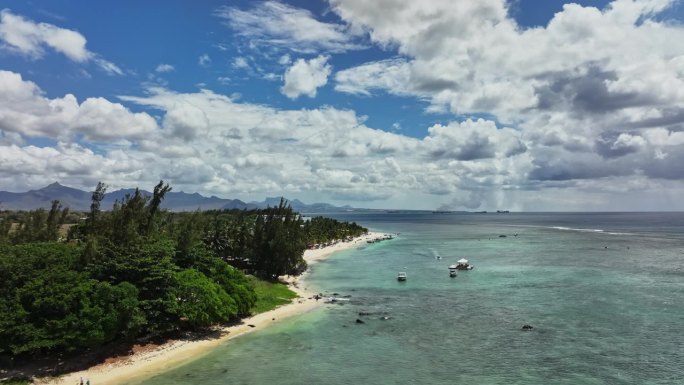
x=151, y=361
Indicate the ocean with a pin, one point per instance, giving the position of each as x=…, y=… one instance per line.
x=604, y=293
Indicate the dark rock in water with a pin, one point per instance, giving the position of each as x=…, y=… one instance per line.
x=335, y=294
x=527, y=327
x=502, y=236
x=346, y=296
x=252, y=326
x=365, y=313
x=360, y=321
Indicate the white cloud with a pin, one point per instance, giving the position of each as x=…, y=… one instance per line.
x=26, y=111
x=241, y=62
x=163, y=68
x=595, y=94
x=26, y=37
x=472, y=140
x=285, y=60
x=280, y=24
x=30, y=166
x=472, y=57
x=391, y=75
x=185, y=121
x=204, y=60
x=304, y=77
x=588, y=115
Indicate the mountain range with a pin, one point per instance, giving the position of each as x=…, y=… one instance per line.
x=79, y=200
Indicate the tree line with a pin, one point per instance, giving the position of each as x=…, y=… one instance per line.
x=137, y=270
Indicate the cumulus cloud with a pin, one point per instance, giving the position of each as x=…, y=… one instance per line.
x=26, y=111
x=304, y=77
x=26, y=167
x=472, y=140
x=26, y=37
x=594, y=95
x=253, y=148
x=392, y=75
x=185, y=121
x=279, y=24
x=472, y=56
x=163, y=68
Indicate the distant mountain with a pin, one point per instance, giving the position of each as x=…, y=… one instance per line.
x=43, y=197
x=181, y=201
x=302, y=207
x=78, y=200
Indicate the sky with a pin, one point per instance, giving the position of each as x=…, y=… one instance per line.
x=519, y=105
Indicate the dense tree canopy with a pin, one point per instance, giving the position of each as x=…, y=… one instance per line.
x=139, y=271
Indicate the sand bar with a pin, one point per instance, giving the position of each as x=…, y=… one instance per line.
x=151, y=360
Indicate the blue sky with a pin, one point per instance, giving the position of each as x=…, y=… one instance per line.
x=455, y=104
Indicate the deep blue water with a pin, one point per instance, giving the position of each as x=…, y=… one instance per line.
x=603, y=291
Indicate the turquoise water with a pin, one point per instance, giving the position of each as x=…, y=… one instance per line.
x=604, y=293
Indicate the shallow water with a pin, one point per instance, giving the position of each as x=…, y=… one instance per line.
x=604, y=293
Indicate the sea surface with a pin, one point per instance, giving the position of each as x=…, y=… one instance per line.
x=604, y=293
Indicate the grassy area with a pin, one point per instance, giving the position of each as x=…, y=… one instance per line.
x=271, y=295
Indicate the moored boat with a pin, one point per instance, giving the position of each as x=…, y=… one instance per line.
x=401, y=276
x=461, y=264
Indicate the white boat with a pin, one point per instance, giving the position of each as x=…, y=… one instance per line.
x=452, y=273
x=401, y=276
x=461, y=264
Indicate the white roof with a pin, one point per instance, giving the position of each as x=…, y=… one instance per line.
x=462, y=260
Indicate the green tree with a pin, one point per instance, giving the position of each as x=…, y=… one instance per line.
x=160, y=191
x=5, y=228
x=96, y=201
x=279, y=242
x=39, y=225
x=48, y=305
x=202, y=302
x=231, y=280
x=150, y=268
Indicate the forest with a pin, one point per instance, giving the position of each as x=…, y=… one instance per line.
x=74, y=281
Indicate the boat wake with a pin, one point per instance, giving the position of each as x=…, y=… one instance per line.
x=579, y=229
x=583, y=230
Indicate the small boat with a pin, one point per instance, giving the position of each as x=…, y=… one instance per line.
x=461, y=264
x=401, y=276
x=452, y=273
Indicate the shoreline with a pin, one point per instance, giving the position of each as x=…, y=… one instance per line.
x=150, y=360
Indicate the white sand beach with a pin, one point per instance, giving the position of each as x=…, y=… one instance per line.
x=148, y=360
